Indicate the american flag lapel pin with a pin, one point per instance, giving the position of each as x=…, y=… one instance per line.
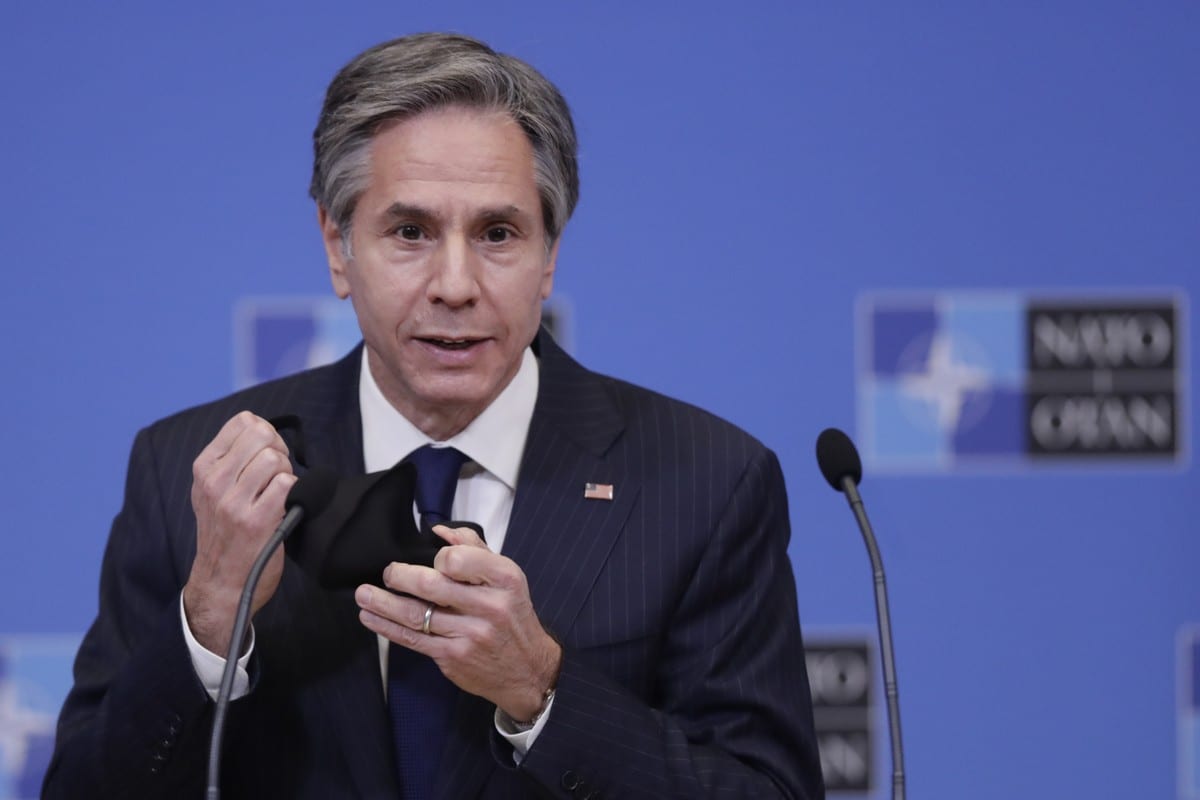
x=598, y=491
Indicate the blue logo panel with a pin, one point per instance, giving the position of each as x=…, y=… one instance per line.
x=274, y=337
x=965, y=380
x=944, y=380
x=35, y=675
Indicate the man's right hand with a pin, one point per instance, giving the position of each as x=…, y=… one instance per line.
x=239, y=484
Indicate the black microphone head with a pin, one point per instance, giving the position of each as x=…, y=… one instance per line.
x=838, y=458
x=313, y=491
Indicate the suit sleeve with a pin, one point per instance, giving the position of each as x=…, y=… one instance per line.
x=733, y=717
x=136, y=720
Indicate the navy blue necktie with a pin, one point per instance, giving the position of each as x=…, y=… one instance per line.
x=421, y=699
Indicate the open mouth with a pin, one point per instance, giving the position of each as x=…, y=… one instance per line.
x=450, y=344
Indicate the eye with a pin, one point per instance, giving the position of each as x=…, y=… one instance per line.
x=410, y=232
x=497, y=235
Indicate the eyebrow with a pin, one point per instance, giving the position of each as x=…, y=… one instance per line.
x=398, y=211
x=404, y=211
x=500, y=212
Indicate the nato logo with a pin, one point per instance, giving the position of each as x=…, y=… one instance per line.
x=1188, y=712
x=35, y=675
x=277, y=336
x=951, y=381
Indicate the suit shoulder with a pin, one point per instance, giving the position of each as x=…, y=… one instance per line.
x=646, y=426
x=311, y=392
x=681, y=425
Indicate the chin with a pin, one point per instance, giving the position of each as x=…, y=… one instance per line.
x=454, y=394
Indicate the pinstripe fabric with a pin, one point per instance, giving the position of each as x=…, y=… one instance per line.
x=683, y=672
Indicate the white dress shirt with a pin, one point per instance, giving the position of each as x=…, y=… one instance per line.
x=494, y=443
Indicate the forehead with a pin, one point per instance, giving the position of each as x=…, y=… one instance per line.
x=452, y=145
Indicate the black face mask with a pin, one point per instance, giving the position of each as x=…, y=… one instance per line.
x=367, y=525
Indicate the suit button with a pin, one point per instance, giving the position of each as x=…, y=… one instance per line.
x=570, y=781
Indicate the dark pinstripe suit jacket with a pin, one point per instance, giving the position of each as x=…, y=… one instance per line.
x=683, y=672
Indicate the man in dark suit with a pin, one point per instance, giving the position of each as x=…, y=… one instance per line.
x=627, y=630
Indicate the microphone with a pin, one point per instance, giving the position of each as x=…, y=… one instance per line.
x=309, y=496
x=839, y=462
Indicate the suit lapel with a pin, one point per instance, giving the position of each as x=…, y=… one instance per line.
x=559, y=538
x=333, y=435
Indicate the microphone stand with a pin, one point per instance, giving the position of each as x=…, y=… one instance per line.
x=241, y=622
x=885, y=634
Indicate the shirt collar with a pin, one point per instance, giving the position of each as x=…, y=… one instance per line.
x=495, y=440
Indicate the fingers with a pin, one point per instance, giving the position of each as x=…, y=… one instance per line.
x=239, y=438
x=394, y=631
x=426, y=584
x=226, y=457
x=257, y=484
x=274, y=496
x=240, y=469
x=484, y=638
x=458, y=604
x=240, y=482
x=475, y=564
x=464, y=536
x=402, y=620
x=381, y=610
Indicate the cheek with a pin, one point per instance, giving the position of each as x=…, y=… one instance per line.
x=522, y=300
x=385, y=290
x=382, y=312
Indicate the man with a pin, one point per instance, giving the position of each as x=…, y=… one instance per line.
x=628, y=629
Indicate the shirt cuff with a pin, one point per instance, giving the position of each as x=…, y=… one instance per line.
x=521, y=740
x=209, y=666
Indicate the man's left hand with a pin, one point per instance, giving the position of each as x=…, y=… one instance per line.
x=483, y=633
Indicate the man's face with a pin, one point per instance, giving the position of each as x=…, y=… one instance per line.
x=450, y=264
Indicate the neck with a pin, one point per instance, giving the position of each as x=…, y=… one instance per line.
x=440, y=426
x=436, y=418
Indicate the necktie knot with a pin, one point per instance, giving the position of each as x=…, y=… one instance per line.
x=437, y=478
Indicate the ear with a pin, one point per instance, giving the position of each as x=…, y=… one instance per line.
x=335, y=254
x=548, y=272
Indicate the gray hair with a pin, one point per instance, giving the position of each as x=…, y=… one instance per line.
x=406, y=76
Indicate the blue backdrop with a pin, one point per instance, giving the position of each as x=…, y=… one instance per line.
x=749, y=170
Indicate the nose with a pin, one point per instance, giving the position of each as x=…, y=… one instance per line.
x=454, y=280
